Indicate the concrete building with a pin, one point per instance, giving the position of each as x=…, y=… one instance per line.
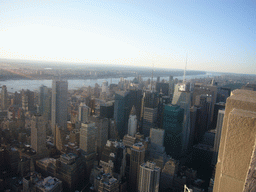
x=136, y=159
x=235, y=170
x=36, y=183
x=59, y=106
x=106, y=183
x=4, y=98
x=149, y=177
x=38, y=135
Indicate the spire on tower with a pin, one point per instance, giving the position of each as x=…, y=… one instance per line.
x=133, y=111
x=184, y=76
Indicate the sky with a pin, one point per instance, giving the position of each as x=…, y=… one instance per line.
x=216, y=35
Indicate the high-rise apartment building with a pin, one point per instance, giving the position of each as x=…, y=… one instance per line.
x=38, y=134
x=136, y=159
x=236, y=165
x=149, y=177
x=4, y=97
x=59, y=105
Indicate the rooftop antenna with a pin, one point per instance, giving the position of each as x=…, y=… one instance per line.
x=184, y=76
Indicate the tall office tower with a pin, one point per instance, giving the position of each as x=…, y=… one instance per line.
x=136, y=159
x=4, y=101
x=105, y=87
x=206, y=89
x=45, y=102
x=107, y=109
x=156, y=147
x=193, y=113
x=17, y=98
x=38, y=135
x=83, y=113
x=170, y=169
x=150, y=110
x=59, y=106
x=120, y=112
x=217, y=136
x=132, y=122
x=171, y=85
x=135, y=99
x=173, y=126
x=149, y=177
x=222, y=94
x=163, y=100
x=205, y=102
x=162, y=87
x=182, y=97
x=112, y=133
x=235, y=170
x=217, y=107
x=102, y=134
x=28, y=100
x=88, y=133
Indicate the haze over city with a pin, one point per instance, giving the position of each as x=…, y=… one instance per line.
x=217, y=35
x=127, y=96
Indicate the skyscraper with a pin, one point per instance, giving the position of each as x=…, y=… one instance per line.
x=38, y=134
x=59, y=105
x=28, y=100
x=121, y=113
x=173, y=126
x=149, y=177
x=132, y=122
x=235, y=170
x=182, y=97
x=217, y=136
x=45, y=102
x=150, y=110
x=87, y=137
x=4, y=97
x=88, y=133
x=83, y=113
x=136, y=159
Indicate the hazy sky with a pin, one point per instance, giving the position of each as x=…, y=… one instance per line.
x=218, y=35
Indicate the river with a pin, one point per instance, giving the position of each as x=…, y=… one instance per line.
x=33, y=85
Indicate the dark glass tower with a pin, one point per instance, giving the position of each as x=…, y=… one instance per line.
x=173, y=125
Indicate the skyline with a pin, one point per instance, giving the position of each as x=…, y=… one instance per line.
x=218, y=36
